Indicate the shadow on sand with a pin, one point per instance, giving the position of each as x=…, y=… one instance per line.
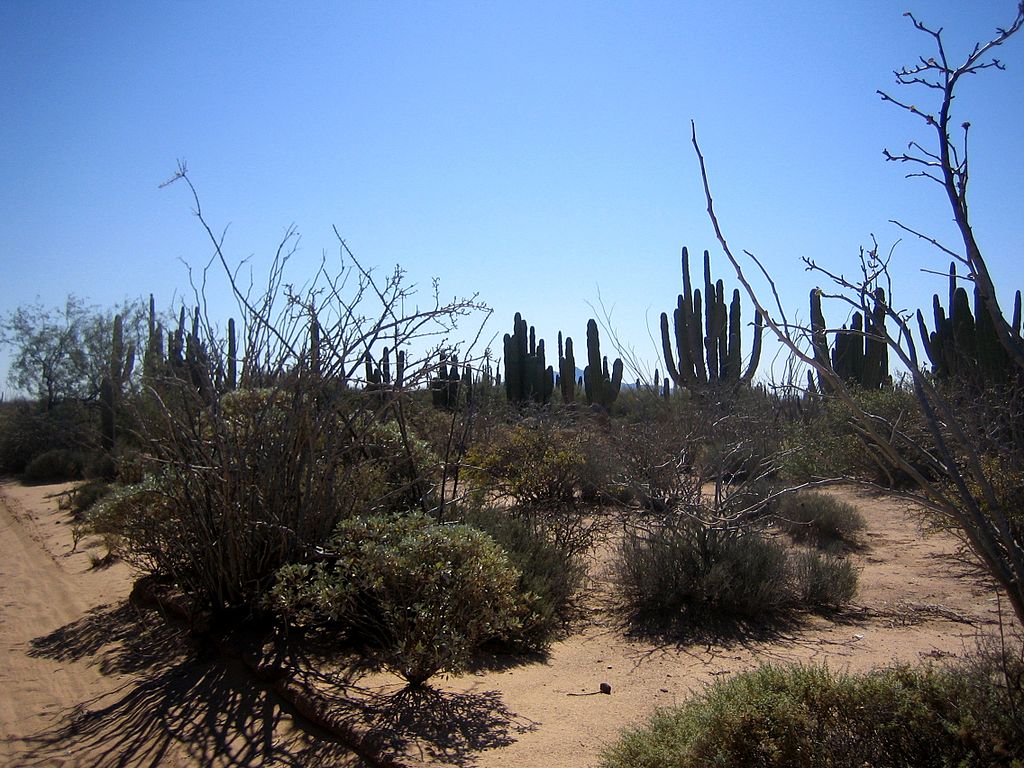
x=185, y=703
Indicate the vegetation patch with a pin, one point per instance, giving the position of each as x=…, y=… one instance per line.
x=818, y=518
x=419, y=596
x=686, y=572
x=811, y=716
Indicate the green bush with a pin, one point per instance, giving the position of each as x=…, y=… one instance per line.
x=421, y=596
x=687, y=571
x=54, y=466
x=550, y=573
x=810, y=716
x=140, y=525
x=823, y=443
x=818, y=518
x=81, y=499
x=531, y=464
x=28, y=431
x=824, y=583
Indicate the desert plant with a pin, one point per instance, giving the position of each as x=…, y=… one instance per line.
x=54, y=466
x=533, y=465
x=823, y=582
x=82, y=497
x=423, y=596
x=600, y=386
x=814, y=717
x=551, y=572
x=709, y=354
x=258, y=477
x=674, y=573
x=965, y=345
x=860, y=355
x=818, y=518
x=528, y=378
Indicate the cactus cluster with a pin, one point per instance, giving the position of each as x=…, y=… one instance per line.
x=860, y=354
x=707, y=339
x=600, y=388
x=527, y=376
x=966, y=342
x=378, y=373
x=187, y=358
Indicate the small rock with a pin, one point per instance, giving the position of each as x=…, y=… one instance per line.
x=605, y=688
x=664, y=690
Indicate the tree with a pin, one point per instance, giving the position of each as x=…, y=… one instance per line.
x=63, y=353
x=971, y=476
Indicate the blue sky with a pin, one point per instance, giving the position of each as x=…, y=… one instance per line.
x=534, y=152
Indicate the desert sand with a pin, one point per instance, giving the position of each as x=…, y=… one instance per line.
x=88, y=679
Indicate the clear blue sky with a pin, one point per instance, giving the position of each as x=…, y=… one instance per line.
x=535, y=152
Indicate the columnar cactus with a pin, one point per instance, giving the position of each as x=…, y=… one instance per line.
x=860, y=354
x=119, y=371
x=231, y=382
x=966, y=342
x=600, y=388
x=710, y=356
x=566, y=370
x=527, y=376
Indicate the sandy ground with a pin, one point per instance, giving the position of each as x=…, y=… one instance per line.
x=88, y=680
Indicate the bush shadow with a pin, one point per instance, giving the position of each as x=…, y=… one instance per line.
x=182, y=701
x=185, y=698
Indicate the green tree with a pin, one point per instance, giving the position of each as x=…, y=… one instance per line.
x=62, y=353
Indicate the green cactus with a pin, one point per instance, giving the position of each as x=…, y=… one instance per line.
x=600, y=387
x=860, y=354
x=153, y=359
x=527, y=376
x=232, y=373
x=966, y=342
x=712, y=357
x=566, y=370
x=119, y=371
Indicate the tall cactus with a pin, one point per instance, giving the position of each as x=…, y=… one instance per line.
x=527, y=375
x=696, y=356
x=600, y=388
x=966, y=343
x=119, y=371
x=860, y=354
x=566, y=370
x=232, y=373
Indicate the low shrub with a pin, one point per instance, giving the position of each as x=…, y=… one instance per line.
x=685, y=570
x=54, y=466
x=824, y=582
x=82, y=498
x=818, y=518
x=419, y=595
x=823, y=443
x=550, y=573
x=27, y=431
x=810, y=716
x=140, y=526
